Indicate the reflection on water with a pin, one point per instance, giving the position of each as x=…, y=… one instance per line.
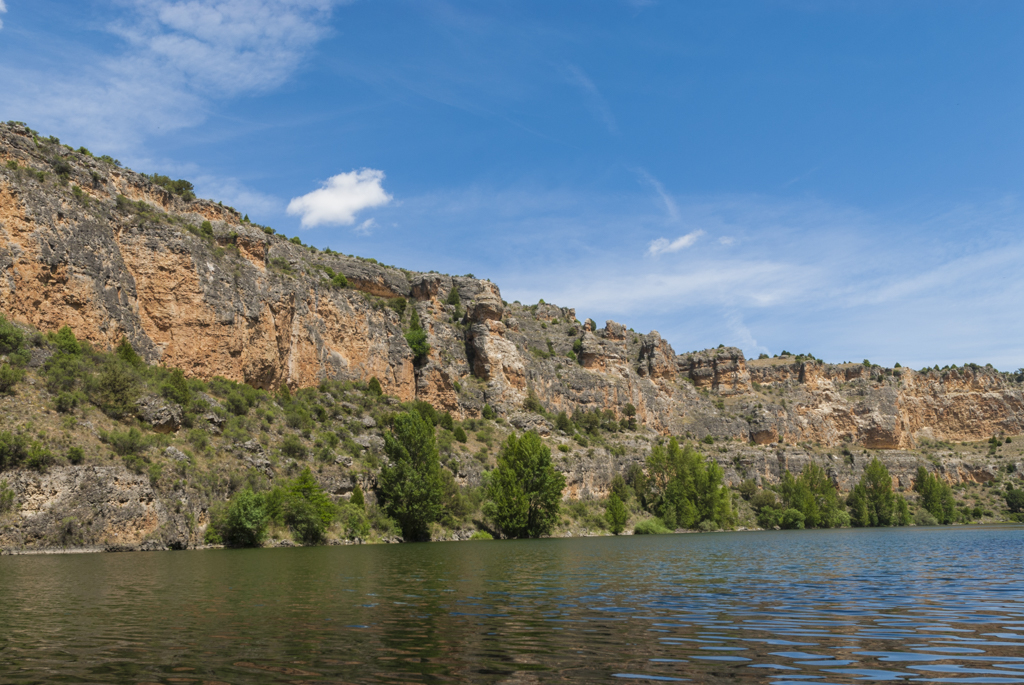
x=934, y=605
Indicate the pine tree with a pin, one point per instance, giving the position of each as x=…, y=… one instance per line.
x=411, y=483
x=524, y=493
x=616, y=514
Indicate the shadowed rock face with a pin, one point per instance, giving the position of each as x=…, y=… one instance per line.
x=257, y=308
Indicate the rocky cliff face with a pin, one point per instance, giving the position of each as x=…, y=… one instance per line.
x=88, y=244
x=102, y=249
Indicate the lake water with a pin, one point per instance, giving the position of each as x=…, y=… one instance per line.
x=923, y=604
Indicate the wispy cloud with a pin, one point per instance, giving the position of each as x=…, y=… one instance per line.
x=670, y=204
x=177, y=58
x=341, y=198
x=596, y=102
x=233, y=192
x=665, y=246
x=365, y=228
x=3, y=8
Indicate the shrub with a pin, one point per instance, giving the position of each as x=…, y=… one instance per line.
x=792, y=519
x=292, y=447
x=13, y=449
x=65, y=402
x=9, y=377
x=651, y=526
x=481, y=535
x=245, y=521
x=460, y=434
x=127, y=442
x=115, y=388
x=76, y=455
x=339, y=281
x=374, y=387
x=488, y=413
x=39, y=458
x=445, y=421
x=1015, y=500
x=11, y=337
x=6, y=497
x=924, y=518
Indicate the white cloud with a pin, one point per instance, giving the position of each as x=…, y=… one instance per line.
x=3, y=8
x=726, y=240
x=178, y=57
x=670, y=204
x=341, y=198
x=664, y=245
x=366, y=228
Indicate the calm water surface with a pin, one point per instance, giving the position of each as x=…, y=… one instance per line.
x=925, y=604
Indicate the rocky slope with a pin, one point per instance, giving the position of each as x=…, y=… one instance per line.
x=193, y=285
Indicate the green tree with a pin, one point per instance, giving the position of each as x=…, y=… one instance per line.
x=308, y=511
x=417, y=338
x=524, y=493
x=245, y=521
x=65, y=341
x=683, y=489
x=616, y=514
x=873, y=502
x=127, y=353
x=1015, y=500
x=410, y=484
x=374, y=387
x=936, y=496
x=357, y=498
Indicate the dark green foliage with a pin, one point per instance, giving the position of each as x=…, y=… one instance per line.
x=339, y=281
x=445, y=420
x=747, y=489
x=374, y=387
x=14, y=449
x=296, y=240
x=115, y=388
x=307, y=509
x=9, y=377
x=64, y=341
x=11, y=337
x=936, y=496
x=176, y=389
x=488, y=413
x=532, y=404
x=411, y=485
x=453, y=296
x=293, y=447
x=245, y=520
x=524, y=492
x=873, y=502
x=1015, y=500
x=181, y=187
x=620, y=488
x=132, y=441
x=399, y=304
x=791, y=519
x=684, y=489
x=76, y=455
x=616, y=514
x=460, y=434
x=417, y=338
x=814, y=496
x=564, y=423
x=357, y=498
x=6, y=497
x=39, y=458
x=65, y=402
x=126, y=353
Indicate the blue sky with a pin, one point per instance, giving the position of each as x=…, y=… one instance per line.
x=839, y=178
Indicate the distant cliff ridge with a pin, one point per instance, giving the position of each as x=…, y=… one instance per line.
x=191, y=284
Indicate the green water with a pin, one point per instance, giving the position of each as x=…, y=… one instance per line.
x=932, y=604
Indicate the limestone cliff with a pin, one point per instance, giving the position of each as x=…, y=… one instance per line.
x=86, y=243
